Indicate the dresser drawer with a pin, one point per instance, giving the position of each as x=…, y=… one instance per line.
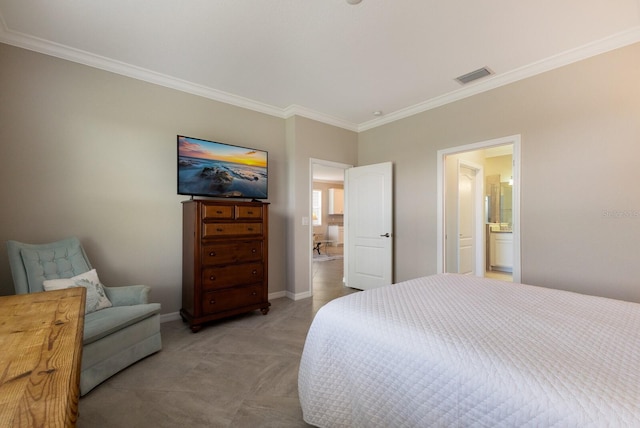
x=245, y=212
x=237, y=252
x=210, y=230
x=226, y=276
x=231, y=298
x=217, y=211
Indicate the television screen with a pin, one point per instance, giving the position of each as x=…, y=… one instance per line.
x=210, y=168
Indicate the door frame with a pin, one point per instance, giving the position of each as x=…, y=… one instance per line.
x=515, y=140
x=478, y=232
x=332, y=164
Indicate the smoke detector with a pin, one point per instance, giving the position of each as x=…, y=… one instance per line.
x=353, y=1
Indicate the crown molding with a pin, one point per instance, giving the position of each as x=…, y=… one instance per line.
x=57, y=50
x=296, y=110
x=607, y=44
x=47, y=47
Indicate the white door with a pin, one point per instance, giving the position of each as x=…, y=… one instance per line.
x=466, y=219
x=369, y=235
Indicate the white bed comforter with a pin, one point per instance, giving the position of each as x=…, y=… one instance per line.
x=457, y=351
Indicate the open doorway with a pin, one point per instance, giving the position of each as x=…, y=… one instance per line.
x=491, y=213
x=327, y=222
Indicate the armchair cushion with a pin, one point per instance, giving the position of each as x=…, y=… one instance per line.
x=100, y=324
x=96, y=297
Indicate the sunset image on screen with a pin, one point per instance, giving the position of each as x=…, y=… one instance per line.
x=210, y=168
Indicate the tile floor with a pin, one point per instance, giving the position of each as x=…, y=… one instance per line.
x=240, y=372
x=327, y=279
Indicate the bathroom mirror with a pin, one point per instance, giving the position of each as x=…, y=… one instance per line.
x=506, y=203
x=499, y=203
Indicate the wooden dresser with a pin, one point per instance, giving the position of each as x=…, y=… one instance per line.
x=40, y=357
x=224, y=260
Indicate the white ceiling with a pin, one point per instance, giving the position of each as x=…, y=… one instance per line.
x=323, y=59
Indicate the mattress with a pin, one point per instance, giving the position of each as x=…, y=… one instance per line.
x=459, y=351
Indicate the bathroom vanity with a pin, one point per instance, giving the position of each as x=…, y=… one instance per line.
x=500, y=249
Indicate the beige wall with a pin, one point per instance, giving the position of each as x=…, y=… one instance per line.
x=580, y=128
x=500, y=165
x=93, y=154
x=90, y=153
x=309, y=139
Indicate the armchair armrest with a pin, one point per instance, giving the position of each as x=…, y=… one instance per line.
x=128, y=295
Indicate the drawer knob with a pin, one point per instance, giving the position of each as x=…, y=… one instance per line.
x=219, y=229
x=253, y=250
x=254, y=294
x=250, y=229
x=212, y=254
x=254, y=272
x=212, y=302
x=219, y=212
x=212, y=278
x=249, y=212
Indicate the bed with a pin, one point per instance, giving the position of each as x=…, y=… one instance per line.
x=454, y=350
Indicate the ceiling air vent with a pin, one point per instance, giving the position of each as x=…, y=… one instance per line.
x=474, y=75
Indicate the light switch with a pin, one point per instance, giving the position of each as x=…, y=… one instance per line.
x=305, y=221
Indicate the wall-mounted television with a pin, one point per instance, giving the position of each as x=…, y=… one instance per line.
x=219, y=170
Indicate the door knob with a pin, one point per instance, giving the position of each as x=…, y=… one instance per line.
x=386, y=235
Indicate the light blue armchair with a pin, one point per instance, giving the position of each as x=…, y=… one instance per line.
x=114, y=337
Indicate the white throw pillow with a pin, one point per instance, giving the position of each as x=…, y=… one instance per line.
x=96, y=297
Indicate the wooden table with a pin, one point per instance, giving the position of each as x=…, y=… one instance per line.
x=40, y=356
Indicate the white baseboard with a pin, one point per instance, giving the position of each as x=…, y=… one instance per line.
x=299, y=296
x=173, y=316
x=277, y=295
